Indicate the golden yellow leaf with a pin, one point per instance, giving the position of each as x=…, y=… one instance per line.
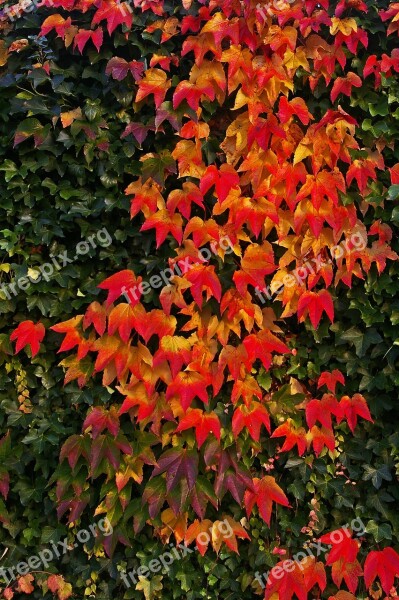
x=346, y=26
x=302, y=152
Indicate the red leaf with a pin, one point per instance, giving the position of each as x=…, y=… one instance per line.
x=124, y=282
x=252, y=418
x=27, y=333
x=154, y=82
x=261, y=345
x=183, y=199
x=115, y=13
x=296, y=106
x=95, y=315
x=284, y=583
x=321, y=410
x=343, y=85
x=349, y=571
x=56, y=22
x=331, y=379
x=186, y=386
x=100, y=418
x=266, y=492
x=224, y=180
x=313, y=304
x=97, y=38
x=383, y=564
x=84, y=35
x=122, y=319
x=343, y=546
x=353, y=407
x=204, y=424
x=192, y=93
x=203, y=278
x=294, y=437
x=164, y=222
x=320, y=438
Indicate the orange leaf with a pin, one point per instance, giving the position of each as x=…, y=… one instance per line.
x=194, y=532
x=252, y=418
x=25, y=584
x=115, y=13
x=56, y=583
x=294, y=437
x=95, y=315
x=266, y=492
x=67, y=118
x=164, y=222
x=204, y=424
x=154, y=82
x=56, y=22
x=186, y=386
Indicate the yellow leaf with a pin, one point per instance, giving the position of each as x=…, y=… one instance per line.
x=3, y=53
x=150, y=587
x=294, y=60
x=346, y=26
x=301, y=153
x=33, y=274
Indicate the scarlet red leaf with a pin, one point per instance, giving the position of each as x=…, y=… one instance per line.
x=114, y=13
x=124, y=282
x=28, y=334
x=204, y=424
x=383, y=564
x=352, y=408
x=331, y=379
x=252, y=418
x=313, y=304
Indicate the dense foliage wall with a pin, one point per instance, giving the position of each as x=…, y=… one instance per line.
x=265, y=134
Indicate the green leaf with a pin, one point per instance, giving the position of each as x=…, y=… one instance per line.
x=361, y=341
x=393, y=193
x=380, y=531
x=158, y=167
x=376, y=475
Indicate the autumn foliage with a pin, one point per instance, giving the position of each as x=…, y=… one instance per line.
x=252, y=206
